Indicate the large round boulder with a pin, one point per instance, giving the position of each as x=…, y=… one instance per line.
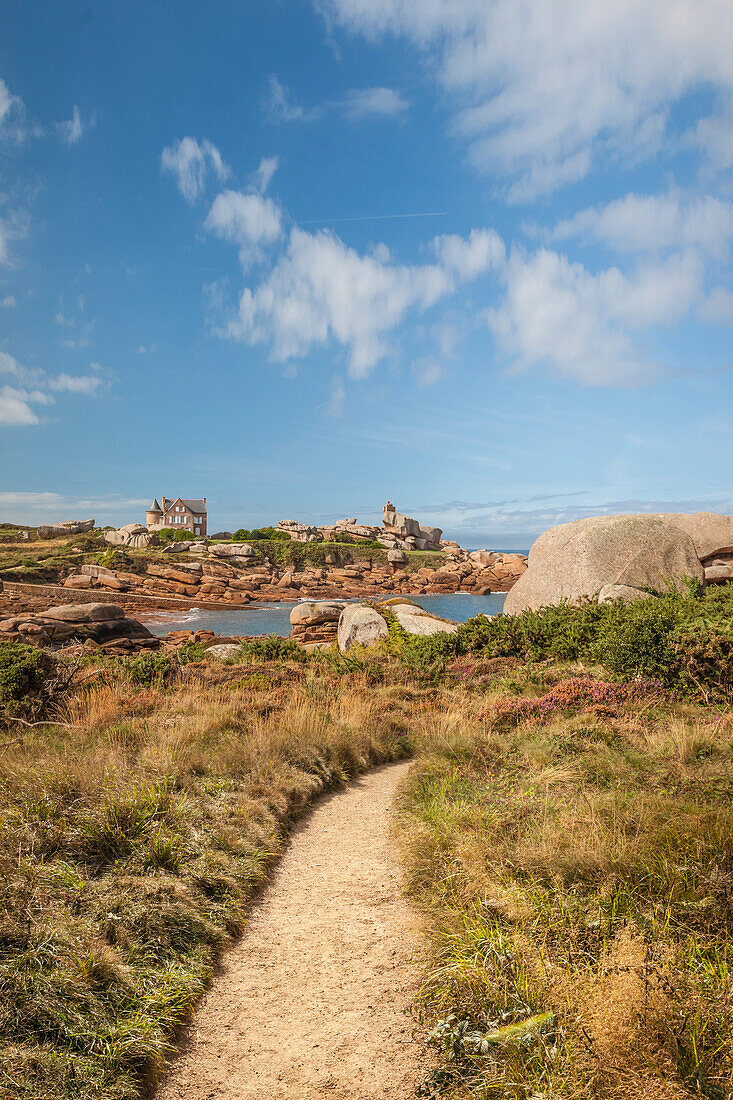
x=577, y=560
x=711, y=532
x=360, y=626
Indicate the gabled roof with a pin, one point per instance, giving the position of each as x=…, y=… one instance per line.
x=192, y=505
x=155, y=507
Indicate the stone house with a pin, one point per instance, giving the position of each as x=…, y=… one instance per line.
x=180, y=514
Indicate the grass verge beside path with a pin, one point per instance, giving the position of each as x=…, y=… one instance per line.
x=575, y=862
x=131, y=844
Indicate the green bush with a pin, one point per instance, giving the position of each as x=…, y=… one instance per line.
x=23, y=672
x=150, y=669
x=682, y=641
x=268, y=534
x=167, y=534
x=274, y=648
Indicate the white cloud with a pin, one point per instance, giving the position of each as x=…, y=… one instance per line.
x=13, y=226
x=16, y=407
x=280, y=107
x=363, y=103
x=88, y=384
x=717, y=307
x=189, y=161
x=267, y=168
x=559, y=315
x=468, y=258
x=12, y=115
x=543, y=90
x=23, y=507
x=72, y=131
x=247, y=220
x=320, y=290
x=652, y=223
x=17, y=401
x=8, y=302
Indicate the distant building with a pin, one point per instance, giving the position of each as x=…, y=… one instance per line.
x=180, y=514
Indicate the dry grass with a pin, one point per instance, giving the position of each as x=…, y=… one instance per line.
x=130, y=849
x=580, y=866
x=574, y=860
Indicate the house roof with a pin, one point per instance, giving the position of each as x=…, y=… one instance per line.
x=155, y=507
x=193, y=505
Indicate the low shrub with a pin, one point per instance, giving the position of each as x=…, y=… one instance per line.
x=274, y=648
x=682, y=641
x=23, y=674
x=271, y=534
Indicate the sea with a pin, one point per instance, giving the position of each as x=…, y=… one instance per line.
x=274, y=618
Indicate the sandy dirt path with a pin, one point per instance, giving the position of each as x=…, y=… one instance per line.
x=310, y=1003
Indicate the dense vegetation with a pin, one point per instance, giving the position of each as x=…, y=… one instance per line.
x=683, y=641
x=567, y=830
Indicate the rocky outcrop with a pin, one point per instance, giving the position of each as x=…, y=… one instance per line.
x=315, y=623
x=406, y=532
x=69, y=527
x=133, y=535
x=299, y=532
x=415, y=620
x=397, y=532
x=577, y=560
x=360, y=625
x=226, y=651
x=711, y=532
x=104, y=623
x=237, y=551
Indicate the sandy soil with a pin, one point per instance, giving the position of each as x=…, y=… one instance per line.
x=311, y=1002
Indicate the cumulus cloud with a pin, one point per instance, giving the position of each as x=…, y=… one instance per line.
x=363, y=103
x=34, y=387
x=189, y=161
x=654, y=223
x=543, y=91
x=320, y=290
x=247, y=220
x=559, y=315
x=470, y=257
x=71, y=131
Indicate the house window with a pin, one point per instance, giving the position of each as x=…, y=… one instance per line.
x=179, y=508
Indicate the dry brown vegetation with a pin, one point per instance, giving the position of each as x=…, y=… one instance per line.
x=574, y=860
x=578, y=873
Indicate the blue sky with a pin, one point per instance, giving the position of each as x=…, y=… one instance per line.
x=470, y=255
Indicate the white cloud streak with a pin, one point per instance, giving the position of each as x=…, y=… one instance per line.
x=190, y=161
x=34, y=387
x=559, y=315
x=544, y=91
x=655, y=223
x=71, y=131
x=362, y=103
